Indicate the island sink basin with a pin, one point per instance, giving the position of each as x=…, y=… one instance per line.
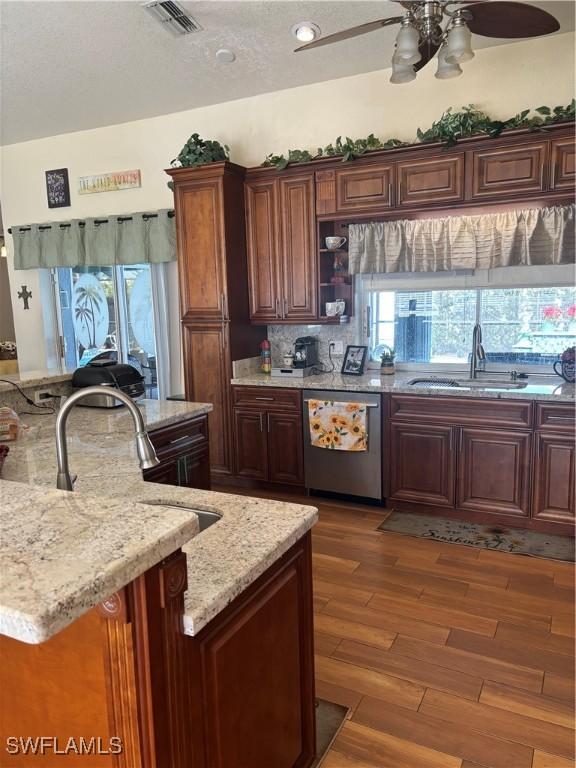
x=445, y=382
x=206, y=518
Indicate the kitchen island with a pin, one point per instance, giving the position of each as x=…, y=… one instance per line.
x=161, y=645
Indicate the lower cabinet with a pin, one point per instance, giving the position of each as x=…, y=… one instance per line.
x=422, y=464
x=554, y=498
x=252, y=669
x=184, y=454
x=480, y=470
x=268, y=434
x=494, y=471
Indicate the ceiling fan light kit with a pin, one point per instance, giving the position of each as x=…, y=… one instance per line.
x=428, y=28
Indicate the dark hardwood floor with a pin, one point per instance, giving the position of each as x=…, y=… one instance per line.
x=448, y=656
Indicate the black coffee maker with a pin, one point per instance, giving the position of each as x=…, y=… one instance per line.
x=306, y=352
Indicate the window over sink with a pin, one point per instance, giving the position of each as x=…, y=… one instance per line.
x=528, y=316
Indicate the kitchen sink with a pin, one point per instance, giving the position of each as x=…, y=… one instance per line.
x=206, y=518
x=443, y=383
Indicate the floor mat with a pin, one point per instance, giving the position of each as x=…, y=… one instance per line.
x=329, y=719
x=516, y=540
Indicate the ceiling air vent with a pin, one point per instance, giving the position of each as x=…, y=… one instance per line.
x=173, y=17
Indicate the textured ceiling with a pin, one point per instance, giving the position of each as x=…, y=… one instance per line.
x=69, y=66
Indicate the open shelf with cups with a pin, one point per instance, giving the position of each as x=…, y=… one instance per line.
x=336, y=284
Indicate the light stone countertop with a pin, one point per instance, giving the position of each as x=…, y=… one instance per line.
x=223, y=560
x=33, y=379
x=536, y=388
x=63, y=553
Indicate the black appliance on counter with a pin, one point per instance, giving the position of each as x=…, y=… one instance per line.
x=306, y=352
x=108, y=373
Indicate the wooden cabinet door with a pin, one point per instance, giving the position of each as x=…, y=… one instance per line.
x=555, y=459
x=250, y=441
x=262, y=247
x=430, y=181
x=509, y=171
x=194, y=469
x=207, y=380
x=165, y=473
x=494, y=471
x=299, y=282
x=201, y=259
x=255, y=682
x=285, y=450
x=422, y=464
x=365, y=189
x=563, y=165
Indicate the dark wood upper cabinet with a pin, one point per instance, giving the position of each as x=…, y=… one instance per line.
x=298, y=248
x=422, y=464
x=563, y=165
x=367, y=188
x=509, y=171
x=494, y=471
x=281, y=234
x=430, y=181
x=555, y=459
x=262, y=240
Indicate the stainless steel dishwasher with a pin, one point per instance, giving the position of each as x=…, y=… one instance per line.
x=357, y=473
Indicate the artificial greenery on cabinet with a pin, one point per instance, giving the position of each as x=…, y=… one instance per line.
x=448, y=129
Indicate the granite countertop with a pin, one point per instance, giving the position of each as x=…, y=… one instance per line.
x=33, y=379
x=537, y=388
x=63, y=553
x=223, y=560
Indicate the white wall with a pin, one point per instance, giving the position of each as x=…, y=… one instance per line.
x=501, y=80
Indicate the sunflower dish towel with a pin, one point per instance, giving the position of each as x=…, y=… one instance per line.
x=338, y=426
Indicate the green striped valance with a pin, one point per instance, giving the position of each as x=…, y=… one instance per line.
x=537, y=236
x=135, y=238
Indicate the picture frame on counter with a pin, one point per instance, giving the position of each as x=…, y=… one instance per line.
x=354, y=360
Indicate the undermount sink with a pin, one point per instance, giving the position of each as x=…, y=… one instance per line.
x=206, y=518
x=443, y=383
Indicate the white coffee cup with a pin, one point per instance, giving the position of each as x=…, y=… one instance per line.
x=335, y=308
x=333, y=243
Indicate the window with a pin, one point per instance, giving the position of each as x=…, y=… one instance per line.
x=524, y=326
x=109, y=312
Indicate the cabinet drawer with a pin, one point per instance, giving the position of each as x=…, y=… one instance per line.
x=176, y=438
x=267, y=398
x=364, y=190
x=461, y=410
x=509, y=171
x=431, y=181
x=555, y=417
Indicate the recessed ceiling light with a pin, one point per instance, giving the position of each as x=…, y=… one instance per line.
x=225, y=56
x=306, y=31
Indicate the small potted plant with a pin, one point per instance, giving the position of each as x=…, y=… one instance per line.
x=387, y=365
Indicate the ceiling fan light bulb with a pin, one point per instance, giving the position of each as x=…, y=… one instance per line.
x=402, y=72
x=459, y=45
x=407, y=43
x=306, y=31
x=446, y=69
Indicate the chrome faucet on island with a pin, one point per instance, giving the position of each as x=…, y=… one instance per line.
x=146, y=453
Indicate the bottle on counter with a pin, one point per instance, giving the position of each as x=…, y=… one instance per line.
x=265, y=357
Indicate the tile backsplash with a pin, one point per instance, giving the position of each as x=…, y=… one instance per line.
x=282, y=338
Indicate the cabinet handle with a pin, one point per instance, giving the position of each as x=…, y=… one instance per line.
x=267, y=422
x=258, y=397
x=390, y=192
x=451, y=441
x=276, y=304
x=261, y=427
x=557, y=417
x=285, y=310
x=180, y=439
x=461, y=444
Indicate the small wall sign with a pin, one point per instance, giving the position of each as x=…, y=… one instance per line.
x=25, y=295
x=109, y=182
x=58, y=188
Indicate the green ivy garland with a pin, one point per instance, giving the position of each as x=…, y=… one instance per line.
x=449, y=129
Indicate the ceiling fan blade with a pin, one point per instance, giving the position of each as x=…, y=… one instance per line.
x=428, y=50
x=362, y=29
x=510, y=20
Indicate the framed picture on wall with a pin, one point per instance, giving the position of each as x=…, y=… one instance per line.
x=354, y=360
x=58, y=188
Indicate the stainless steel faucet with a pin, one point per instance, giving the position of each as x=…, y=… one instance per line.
x=478, y=357
x=144, y=447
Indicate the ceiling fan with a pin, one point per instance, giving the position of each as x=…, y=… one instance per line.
x=430, y=28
